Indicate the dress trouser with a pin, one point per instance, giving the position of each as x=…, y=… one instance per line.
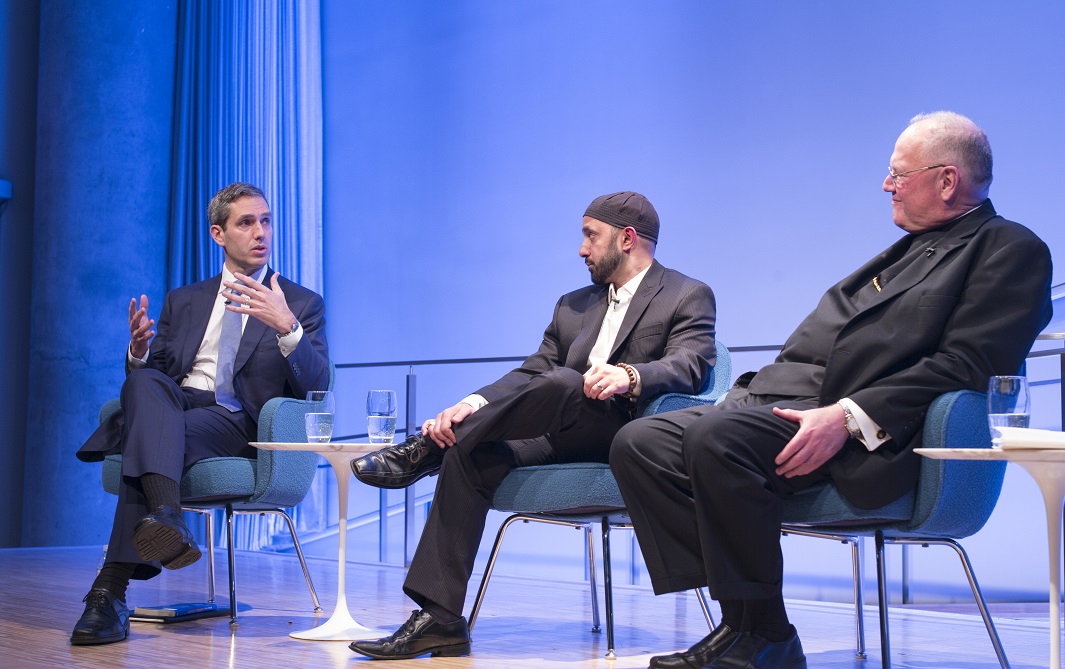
x=703, y=495
x=548, y=420
x=166, y=428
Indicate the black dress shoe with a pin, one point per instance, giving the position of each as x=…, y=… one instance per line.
x=699, y=655
x=751, y=651
x=105, y=620
x=418, y=636
x=163, y=535
x=400, y=465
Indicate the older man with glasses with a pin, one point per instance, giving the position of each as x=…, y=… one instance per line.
x=960, y=298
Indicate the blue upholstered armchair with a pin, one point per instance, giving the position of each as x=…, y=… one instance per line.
x=270, y=483
x=581, y=494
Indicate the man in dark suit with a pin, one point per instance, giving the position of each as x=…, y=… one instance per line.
x=194, y=390
x=639, y=331
x=960, y=298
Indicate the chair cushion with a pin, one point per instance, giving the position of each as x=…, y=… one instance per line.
x=209, y=479
x=822, y=505
x=566, y=489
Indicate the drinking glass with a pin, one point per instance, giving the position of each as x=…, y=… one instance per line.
x=319, y=416
x=1008, y=404
x=381, y=416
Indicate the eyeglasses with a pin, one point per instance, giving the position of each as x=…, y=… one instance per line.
x=896, y=176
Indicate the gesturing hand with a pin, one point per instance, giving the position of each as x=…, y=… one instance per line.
x=266, y=304
x=140, y=327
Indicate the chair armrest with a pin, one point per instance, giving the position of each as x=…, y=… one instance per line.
x=109, y=407
x=718, y=381
x=673, y=401
x=956, y=497
x=283, y=477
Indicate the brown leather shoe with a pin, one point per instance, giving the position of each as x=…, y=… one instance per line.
x=418, y=636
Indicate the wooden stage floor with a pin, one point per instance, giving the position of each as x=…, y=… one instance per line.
x=524, y=623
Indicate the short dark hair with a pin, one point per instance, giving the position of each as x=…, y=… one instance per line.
x=218, y=209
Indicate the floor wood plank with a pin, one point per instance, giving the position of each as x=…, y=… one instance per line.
x=524, y=622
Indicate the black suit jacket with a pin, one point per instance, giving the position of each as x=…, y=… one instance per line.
x=667, y=335
x=261, y=372
x=954, y=317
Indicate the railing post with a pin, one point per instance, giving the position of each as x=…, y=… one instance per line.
x=409, y=539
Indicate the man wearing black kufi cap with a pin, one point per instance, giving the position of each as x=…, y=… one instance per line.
x=640, y=330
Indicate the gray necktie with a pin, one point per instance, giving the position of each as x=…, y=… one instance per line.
x=228, y=343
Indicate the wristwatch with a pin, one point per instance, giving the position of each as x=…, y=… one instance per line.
x=850, y=422
x=295, y=326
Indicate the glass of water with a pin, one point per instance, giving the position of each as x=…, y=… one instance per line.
x=1008, y=404
x=319, y=416
x=381, y=416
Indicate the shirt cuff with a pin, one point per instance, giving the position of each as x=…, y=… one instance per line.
x=474, y=400
x=288, y=343
x=135, y=363
x=872, y=434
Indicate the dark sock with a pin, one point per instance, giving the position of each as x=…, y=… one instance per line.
x=732, y=613
x=767, y=618
x=439, y=613
x=161, y=490
x=114, y=577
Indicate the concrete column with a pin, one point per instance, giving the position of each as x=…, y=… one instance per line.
x=105, y=118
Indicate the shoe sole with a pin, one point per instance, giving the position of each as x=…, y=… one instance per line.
x=97, y=640
x=392, y=484
x=455, y=650
x=158, y=541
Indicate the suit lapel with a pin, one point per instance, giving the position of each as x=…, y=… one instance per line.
x=200, y=307
x=921, y=267
x=254, y=332
x=590, y=326
x=649, y=287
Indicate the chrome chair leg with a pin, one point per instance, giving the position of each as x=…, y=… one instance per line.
x=479, y=599
x=208, y=526
x=608, y=591
x=591, y=579
x=881, y=585
x=703, y=596
x=859, y=598
x=232, y=567
x=978, y=595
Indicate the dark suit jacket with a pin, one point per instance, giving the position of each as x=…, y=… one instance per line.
x=967, y=311
x=667, y=335
x=261, y=372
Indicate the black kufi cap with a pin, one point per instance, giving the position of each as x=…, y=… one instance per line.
x=626, y=209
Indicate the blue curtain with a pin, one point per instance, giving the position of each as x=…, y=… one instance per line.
x=248, y=108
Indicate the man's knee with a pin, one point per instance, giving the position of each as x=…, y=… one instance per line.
x=141, y=379
x=561, y=380
x=628, y=445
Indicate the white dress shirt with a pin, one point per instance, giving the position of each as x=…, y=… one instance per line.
x=204, y=365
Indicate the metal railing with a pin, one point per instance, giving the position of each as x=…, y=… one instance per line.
x=410, y=423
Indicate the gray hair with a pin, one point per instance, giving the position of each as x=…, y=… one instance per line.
x=218, y=209
x=956, y=140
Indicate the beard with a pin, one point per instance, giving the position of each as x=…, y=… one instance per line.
x=607, y=265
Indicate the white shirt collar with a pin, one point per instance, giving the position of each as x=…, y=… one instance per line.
x=624, y=294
